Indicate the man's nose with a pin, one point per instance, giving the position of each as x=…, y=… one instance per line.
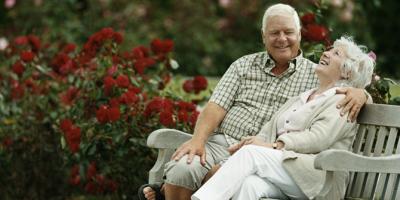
x=282, y=36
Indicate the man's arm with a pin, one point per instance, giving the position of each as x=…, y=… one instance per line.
x=208, y=121
x=353, y=102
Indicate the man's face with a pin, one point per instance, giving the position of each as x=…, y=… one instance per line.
x=281, y=38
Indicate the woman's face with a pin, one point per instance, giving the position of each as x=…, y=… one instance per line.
x=330, y=63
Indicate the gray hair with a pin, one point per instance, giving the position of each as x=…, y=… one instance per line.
x=280, y=9
x=358, y=66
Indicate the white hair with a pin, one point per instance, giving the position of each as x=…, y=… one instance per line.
x=358, y=66
x=280, y=9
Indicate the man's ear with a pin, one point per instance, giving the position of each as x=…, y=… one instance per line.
x=263, y=37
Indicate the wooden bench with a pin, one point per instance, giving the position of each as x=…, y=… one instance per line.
x=374, y=162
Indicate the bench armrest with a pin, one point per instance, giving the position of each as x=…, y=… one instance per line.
x=167, y=138
x=166, y=141
x=342, y=160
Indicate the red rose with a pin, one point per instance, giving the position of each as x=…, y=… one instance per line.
x=75, y=180
x=91, y=170
x=27, y=56
x=308, y=18
x=21, y=40
x=314, y=32
x=118, y=38
x=193, y=118
x=113, y=114
x=65, y=125
x=129, y=98
x=18, y=68
x=199, y=83
x=63, y=64
x=100, y=179
x=123, y=81
x=101, y=114
x=188, y=86
x=17, y=91
x=114, y=102
x=140, y=52
x=188, y=106
x=35, y=42
x=166, y=119
x=90, y=187
x=68, y=48
x=183, y=116
x=73, y=138
x=162, y=46
x=75, y=170
x=109, y=83
x=69, y=96
x=141, y=64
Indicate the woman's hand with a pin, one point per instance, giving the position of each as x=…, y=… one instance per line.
x=254, y=140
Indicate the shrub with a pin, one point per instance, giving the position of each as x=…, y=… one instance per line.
x=74, y=120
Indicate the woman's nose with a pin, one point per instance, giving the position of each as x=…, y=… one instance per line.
x=325, y=54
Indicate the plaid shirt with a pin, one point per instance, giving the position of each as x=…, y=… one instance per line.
x=251, y=93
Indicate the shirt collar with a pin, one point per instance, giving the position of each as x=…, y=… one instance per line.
x=268, y=63
x=328, y=93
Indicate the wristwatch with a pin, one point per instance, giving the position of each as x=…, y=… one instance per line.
x=274, y=145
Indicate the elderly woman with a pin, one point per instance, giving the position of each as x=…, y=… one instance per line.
x=280, y=165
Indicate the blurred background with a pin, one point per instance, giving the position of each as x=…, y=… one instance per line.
x=208, y=34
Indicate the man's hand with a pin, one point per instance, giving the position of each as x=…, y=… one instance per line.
x=192, y=148
x=352, y=103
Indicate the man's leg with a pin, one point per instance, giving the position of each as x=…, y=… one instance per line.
x=182, y=179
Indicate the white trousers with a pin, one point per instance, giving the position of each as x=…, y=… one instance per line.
x=251, y=173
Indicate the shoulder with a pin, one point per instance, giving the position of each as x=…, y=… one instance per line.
x=251, y=59
x=244, y=63
x=306, y=64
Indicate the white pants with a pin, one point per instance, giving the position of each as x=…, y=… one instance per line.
x=251, y=173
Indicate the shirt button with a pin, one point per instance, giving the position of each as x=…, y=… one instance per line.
x=287, y=121
x=287, y=131
x=294, y=110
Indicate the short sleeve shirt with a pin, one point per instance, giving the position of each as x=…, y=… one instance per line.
x=251, y=93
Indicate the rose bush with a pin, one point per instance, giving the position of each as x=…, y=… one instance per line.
x=74, y=121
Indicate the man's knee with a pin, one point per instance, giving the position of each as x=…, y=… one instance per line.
x=180, y=173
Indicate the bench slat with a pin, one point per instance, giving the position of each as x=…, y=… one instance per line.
x=371, y=177
x=359, y=182
x=391, y=184
x=356, y=149
x=380, y=189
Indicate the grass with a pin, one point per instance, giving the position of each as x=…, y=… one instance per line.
x=395, y=90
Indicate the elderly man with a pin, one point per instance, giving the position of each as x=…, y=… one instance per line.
x=250, y=92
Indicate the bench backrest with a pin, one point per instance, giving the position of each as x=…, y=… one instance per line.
x=378, y=135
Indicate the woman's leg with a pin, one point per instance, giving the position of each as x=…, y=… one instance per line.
x=255, y=187
x=250, y=159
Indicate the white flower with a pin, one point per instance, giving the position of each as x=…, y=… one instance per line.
x=3, y=43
